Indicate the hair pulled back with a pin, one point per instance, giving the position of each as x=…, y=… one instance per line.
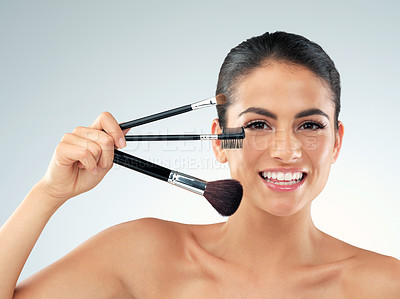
x=281, y=47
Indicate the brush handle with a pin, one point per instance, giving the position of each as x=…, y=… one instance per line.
x=162, y=137
x=176, y=178
x=140, y=165
x=235, y=133
x=154, y=117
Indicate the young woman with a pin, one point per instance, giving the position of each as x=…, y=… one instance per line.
x=285, y=91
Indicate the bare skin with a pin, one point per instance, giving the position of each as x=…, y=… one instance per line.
x=269, y=248
x=152, y=258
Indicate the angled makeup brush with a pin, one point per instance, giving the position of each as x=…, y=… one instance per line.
x=217, y=100
x=224, y=195
x=231, y=137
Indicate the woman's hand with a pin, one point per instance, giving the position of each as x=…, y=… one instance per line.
x=83, y=158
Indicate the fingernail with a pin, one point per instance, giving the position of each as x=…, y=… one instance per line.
x=122, y=142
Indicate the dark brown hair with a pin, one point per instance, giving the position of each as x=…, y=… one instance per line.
x=277, y=46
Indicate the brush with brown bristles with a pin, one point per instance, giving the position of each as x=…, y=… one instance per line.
x=224, y=195
x=217, y=100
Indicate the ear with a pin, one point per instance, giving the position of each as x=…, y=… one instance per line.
x=338, y=142
x=219, y=153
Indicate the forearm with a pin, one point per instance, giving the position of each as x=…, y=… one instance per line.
x=19, y=234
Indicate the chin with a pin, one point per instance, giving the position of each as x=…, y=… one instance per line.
x=282, y=211
x=280, y=208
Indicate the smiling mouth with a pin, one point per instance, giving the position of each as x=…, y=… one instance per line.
x=282, y=179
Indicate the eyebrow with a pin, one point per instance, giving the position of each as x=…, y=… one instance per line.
x=267, y=113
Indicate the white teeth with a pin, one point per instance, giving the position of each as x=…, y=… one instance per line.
x=285, y=183
x=288, y=176
x=281, y=176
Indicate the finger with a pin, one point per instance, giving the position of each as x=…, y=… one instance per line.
x=99, y=143
x=125, y=131
x=105, y=121
x=67, y=154
x=104, y=140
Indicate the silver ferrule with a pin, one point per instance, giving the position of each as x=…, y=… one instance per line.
x=187, y=182
x=208, y=136
x=204, y=103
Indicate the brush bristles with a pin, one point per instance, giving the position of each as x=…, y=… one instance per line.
x=231, y=143
x=232, y=138
x=221, y=99
x=224, y=195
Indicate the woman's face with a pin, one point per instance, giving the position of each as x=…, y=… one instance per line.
x=290, y=141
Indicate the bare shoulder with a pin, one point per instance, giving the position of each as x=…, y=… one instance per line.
x=151, y=253
x=373, y=275
x=151, y=233
x=118, y=262
x=363, y=273
x=147, y=240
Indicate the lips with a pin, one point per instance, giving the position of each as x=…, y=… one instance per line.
x=283, y=179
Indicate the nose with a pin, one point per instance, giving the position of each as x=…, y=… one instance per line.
x=284, y=146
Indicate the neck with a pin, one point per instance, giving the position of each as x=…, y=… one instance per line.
x=257, y=239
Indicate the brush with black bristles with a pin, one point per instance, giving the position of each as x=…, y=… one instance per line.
x=217, y=100
x=231, y=138
x=224, y=195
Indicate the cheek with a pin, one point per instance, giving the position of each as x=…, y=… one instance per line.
x=319, y=150
x=242, y=162
x=256, y=141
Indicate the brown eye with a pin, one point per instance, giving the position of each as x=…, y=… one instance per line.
x=312, y=126
x=257, y=125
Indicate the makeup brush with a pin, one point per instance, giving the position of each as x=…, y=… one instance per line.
x=217, y=100
x=231, y=137
x=224, y=195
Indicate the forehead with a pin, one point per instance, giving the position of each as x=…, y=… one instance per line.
x=283, y=88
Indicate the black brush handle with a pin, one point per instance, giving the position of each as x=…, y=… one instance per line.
x=154, y=117
x=140, y=165
x=162, y=137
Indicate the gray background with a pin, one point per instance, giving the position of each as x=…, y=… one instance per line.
x=64, y=62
